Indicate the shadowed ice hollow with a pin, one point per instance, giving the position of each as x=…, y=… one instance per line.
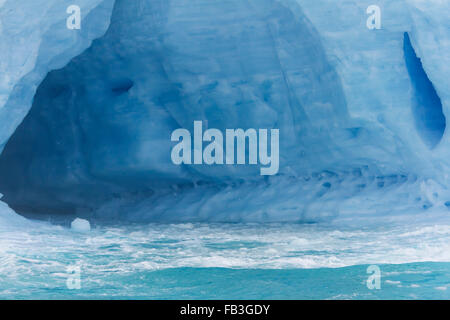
x=87, y=114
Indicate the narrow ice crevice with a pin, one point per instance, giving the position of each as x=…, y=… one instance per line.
x=427, y=106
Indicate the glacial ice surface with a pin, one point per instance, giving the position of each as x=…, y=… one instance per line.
x=362, y=113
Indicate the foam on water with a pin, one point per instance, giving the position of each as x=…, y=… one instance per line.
x=38, y=259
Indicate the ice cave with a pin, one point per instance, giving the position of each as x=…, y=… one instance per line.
x=95, y=95
x=87, y=114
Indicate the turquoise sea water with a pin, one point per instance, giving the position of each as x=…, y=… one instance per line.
x=225, y=261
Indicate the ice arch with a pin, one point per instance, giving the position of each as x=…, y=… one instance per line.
x=99, y=128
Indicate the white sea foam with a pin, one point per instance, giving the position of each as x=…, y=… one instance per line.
x=271, y=246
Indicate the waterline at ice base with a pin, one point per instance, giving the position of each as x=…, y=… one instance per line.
x=224, y=149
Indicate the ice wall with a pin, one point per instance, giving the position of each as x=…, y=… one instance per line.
x=372, y=66
x=362, y=113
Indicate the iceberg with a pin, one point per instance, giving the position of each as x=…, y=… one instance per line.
x=80, y=225
x=86, y=115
